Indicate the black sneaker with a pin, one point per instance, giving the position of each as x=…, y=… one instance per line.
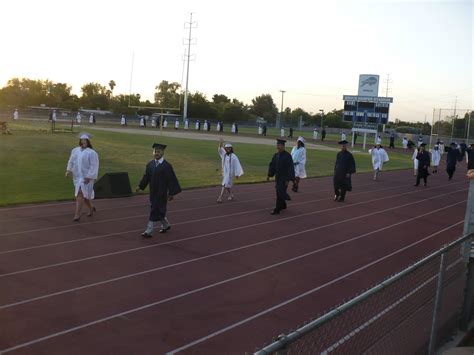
x=274, y=212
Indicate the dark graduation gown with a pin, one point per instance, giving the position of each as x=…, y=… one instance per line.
x=163, y=183
x=452, y=157
x=470, y=158
x=283, y=169
x=345, y=164
x=423, y=163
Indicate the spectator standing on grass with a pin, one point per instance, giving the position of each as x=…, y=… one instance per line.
x=208, y=126
x=343, y=169
x=281, y=167
x=435, y=158
x=78, y=117
x=379, y=157
x=230, y=168
x=323, y=135
x=298, y=154
x=164, y=185
x=423, y=164
x=405, y=143
x=392, y=141
x=83, y=165
x=50, y=116
x=16, y=115
x=452, y=158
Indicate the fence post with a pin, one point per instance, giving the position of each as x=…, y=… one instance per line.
x=437, y=305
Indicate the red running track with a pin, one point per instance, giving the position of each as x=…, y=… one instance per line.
x=226, y=279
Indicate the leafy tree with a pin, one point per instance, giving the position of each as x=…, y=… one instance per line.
x=220, y=99
x=95, y=95
x=264, y=106
x=167, y=94
x=200, y=107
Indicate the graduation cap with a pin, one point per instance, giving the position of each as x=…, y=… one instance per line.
x=301, y=139
x=423, y=145
x=343, y=142
x=453, y=143
x=228, y=145
x=281, y=141
x=158, y=146
x=84, y=135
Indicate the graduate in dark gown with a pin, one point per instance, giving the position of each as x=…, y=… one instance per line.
x=164, y=185
x=282, y=168
x=344, y=167
x=424, y=161
x=470, y=157
x=452, y=157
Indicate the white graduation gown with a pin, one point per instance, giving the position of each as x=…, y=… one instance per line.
x=299, y=160
x=78, y=118
x=233, y=128
x=142, y=122
x=315, y=135
x=260, y=130
x=415, y=161
x=343, y=137
x=186, y=124
x=435, y=157
x=176, y=124
x=165, y=124
x=122, y=121
x=15, y=115
x=405, y=144
x=378, y=140
x=196, y=126
x=282, y=132
x=206, y=126
x=379, y=156
x=153, y=122
x=54, y=117
x=218, y=127
x=91, y=119
x=230, y=167
x=83, y=163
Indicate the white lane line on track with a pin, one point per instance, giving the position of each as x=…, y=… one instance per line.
x=268, y=310
x=248, y=246
x=277, y=306
x=214, y=233
x=190, y=209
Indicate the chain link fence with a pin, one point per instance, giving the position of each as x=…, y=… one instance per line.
x=450, y=125
x=412, y=312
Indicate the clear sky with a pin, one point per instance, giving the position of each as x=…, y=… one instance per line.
x=314, y=50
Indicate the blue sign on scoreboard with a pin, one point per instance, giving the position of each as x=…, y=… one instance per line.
x=366, y=109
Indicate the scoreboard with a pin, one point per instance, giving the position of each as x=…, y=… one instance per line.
x=366, y=109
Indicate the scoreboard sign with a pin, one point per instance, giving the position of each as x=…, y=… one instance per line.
x=366, y=109
x=369, y=85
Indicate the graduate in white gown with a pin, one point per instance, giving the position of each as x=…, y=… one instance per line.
x=298, y=154
x=343, y=136
x=435, y=158
x=282, y=132
x=206, y=125
x=16, y=115
x=260, y=130
x=233, y=128
x=176, y=124
x=415, y=161
x=123, y=121
x=54, y=116
x=315, y=134
x=165, y=123
x=186, y=124
x=198, y=125
x=78, y=118
x=91, y=119
x=378, y=140
x=379, y=157
x=83, y=165
x=142, y=121
x=218, y=127
x=405, y=143
x=230, y=168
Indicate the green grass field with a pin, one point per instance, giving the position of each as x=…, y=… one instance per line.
x=33, y=162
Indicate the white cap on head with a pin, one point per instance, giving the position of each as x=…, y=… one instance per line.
x=84, y=136
x=228, y=145
x=301, y=139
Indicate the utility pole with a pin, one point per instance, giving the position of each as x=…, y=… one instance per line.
x=387, y=81
x=281, y=111
x=191, y=25
x=322, y=118
x=454, y=117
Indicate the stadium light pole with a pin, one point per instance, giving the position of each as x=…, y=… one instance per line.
x=281, y=111
x=322, y=118
x=188, y=57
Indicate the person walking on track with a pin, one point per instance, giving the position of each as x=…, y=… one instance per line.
x=379, y=157
x=164, y=185
x=423, y=159
x=230, y=168
x=298, y=154
x=343, y=169
x=83, y=165
x=281, y=167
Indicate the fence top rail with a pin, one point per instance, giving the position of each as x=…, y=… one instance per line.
x=300, y=332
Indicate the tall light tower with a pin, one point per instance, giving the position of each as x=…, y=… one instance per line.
x=322, y=118
x=281, y=111
x=189, y=25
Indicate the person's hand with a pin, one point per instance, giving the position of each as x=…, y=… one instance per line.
x=170, y=198
x=86, y=181
x=137, y=189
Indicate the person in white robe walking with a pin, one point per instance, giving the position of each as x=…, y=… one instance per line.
x=232, y=130
x=54, y=117
x=206, y=125
x=186, y=124
x=123, y=121
x=176, y=124
x=165, y=123
x=142, y=121
x=83, y=165
x=230, y=168
x=16, y=115
x=315, y=134
x=91, y=119
x=415, y=161
x=260, y=130
x=78, y=118
x=405, y=143
x=435, y=158
x=379, y=157
x=378, y=140
x=343, y=136
x=282, y=132
x=298, y=154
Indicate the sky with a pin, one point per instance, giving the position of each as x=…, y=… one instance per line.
x=314, y=50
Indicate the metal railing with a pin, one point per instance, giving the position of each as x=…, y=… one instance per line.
x=411, y=312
